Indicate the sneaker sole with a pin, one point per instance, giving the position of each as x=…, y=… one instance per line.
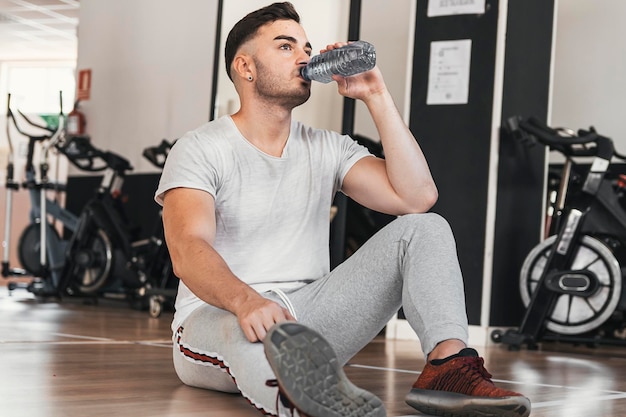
x=449, y=404
x=309, y=375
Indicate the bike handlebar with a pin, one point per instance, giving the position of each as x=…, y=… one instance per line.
x=85, y=156
x=157, y=154
x=533, y=129
x=34, y=138
x=37, y=125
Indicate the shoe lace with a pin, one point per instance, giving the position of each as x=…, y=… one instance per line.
x=465, y=378
x=475, y=372
x=281, y=397
x=478, y=365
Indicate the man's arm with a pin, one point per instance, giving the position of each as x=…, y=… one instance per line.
x=402, y=182
x=189, y=222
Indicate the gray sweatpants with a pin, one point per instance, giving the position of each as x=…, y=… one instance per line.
x=411, y=262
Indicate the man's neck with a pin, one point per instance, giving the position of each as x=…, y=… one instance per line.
x=265, y=127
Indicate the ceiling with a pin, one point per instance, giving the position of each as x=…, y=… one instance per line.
x=38, y=29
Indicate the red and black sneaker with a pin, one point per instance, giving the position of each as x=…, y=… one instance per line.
x=461, y=386
x=309, y=377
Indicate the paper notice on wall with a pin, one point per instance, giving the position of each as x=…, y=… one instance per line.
x=450, y=7
x=448, y=75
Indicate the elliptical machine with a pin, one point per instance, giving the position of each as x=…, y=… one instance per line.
x=41, y=249
x=572, y=282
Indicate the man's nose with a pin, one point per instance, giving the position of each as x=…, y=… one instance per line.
x=304, y=57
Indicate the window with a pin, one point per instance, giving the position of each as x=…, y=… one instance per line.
x=34, y=88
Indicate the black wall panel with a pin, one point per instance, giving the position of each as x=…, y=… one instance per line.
x=457, y=138
x=521, y=169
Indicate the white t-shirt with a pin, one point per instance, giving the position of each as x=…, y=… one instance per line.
x=272, y=214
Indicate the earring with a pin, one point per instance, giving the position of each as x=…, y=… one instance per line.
x=249, y=77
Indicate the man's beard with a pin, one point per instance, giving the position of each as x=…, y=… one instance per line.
x=275, y=91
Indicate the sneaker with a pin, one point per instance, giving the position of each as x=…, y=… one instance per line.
x=309, y=377
x=461, y=386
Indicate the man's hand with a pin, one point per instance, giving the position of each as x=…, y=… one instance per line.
x=360, y=86
x=257, y=315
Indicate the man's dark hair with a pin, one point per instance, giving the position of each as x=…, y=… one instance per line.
x=247, y=27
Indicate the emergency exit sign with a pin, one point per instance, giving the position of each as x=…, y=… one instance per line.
x=84, y=85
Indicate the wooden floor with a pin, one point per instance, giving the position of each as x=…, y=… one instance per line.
x=69, y=359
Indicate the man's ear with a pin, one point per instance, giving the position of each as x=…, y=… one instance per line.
x=243, y=67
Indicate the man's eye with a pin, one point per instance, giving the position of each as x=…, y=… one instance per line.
x=286, y=47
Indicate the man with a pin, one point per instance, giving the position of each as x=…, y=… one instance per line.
x=246, y=202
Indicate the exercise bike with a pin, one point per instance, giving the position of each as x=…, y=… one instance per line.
x=42, y=262
x=102, y=257
x=138, y=270
x=572, y=282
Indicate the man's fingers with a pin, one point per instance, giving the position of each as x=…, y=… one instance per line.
x=288, y=315
x=260, y=331
x=256, y=325
x=250, y=334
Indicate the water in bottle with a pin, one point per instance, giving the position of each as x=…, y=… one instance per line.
x=351, y=59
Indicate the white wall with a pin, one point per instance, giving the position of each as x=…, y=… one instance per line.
x=589, y=86
x=394, y=53
x=152, y=64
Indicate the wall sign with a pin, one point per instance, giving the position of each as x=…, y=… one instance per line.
x=448, y=75
x=450, y=7
x=84, y=85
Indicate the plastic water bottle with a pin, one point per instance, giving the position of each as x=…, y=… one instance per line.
x=350, y=59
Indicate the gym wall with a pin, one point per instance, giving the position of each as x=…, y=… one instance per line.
x=589, y=86
x=152, y=65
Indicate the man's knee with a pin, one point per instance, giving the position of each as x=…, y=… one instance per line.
x=424, y=222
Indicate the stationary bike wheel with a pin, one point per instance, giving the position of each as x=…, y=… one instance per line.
x=576, y=314
x=93, y=263
x=29, y=248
